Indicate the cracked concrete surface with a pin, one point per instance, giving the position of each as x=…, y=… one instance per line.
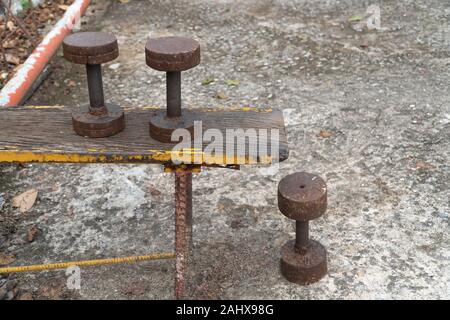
x=382, y=97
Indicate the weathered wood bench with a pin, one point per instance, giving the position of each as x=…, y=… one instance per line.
x=45, y=134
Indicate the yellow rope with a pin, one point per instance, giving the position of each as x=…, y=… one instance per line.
x=87, y=263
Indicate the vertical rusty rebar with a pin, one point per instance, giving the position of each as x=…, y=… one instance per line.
x=189, y=207
x=183, y=182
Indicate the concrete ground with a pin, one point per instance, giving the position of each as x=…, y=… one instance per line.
x=380, y=98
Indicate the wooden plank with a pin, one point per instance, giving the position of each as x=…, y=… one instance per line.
x=45, y=134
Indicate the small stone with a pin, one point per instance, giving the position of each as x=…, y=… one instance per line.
x=115, y=66
x=10, y=25
x=325, y=134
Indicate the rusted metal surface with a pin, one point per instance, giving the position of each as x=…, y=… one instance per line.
x=301, y=235
x=95, y=87
x=172, y=54
x=90, y=47
x=173, y=94
x=99, y=120
x=183, y=218
x=161, y=126
x=302, y=196
x=189, y=209
x=305, y=268
x=98, y=123
x=194, y=168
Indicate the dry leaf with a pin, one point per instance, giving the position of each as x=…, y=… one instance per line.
x=423, y=165
x=154, y=191
x=325, y=133
x=10, y=58
x=10, y=25
x=25, y=200
x=6, y=259
x=221, y=95
x=10, y=44
x=124, y=1
x=32, y=233
x=63, y=7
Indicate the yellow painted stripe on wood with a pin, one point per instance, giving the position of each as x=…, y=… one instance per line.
x=157, y=156
x=14, y=156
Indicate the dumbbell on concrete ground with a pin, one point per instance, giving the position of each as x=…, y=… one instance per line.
x=92, y=49
x=172, y=55
x=302, y=197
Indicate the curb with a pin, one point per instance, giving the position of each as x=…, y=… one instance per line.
x=15, y=90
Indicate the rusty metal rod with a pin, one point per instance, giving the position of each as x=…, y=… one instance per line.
x=95, y=86
x=301, y=234
x=173, y=91
x=182, y=203
x=189, y=207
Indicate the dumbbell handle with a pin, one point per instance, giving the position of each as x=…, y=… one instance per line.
x=301, y=234
x=173, y=91
x=95, y=86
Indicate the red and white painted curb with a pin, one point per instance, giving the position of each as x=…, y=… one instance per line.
x=15, y=90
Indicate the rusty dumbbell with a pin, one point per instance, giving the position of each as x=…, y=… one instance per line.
x=302, y=197
x=172, y=55
x=92, y=49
